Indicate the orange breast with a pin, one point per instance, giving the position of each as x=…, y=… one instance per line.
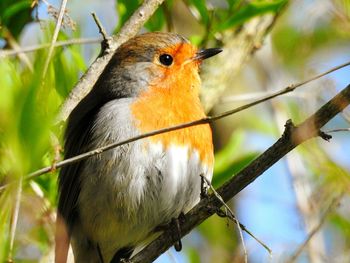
x=172, y=104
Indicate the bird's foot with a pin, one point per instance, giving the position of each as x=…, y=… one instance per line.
x=177, y=231
x=204, y=187
x=174, y=226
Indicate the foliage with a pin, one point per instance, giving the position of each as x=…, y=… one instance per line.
x=14, y=15
x=29, y=103
x=235, y=13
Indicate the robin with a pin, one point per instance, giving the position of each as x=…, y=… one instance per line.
x=111, y=203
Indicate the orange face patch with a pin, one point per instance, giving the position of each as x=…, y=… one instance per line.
x=172, y=100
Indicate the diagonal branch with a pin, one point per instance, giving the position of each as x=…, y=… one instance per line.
x=291, y=138
x=55, y=35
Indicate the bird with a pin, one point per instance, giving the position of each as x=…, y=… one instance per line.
x=110, y=203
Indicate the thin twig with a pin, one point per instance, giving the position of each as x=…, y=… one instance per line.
x=234, y=218
x=55, y=35
x=76, y=41
x=338, y=130
x=100, y=27
x=13, y=43
x=205, y=120
x=14, y=219
x=287, y=89
x=256, y=95
x=317, y=228
x=243, y=227
x=300, y=186
x=107, y=40
x=319, y=75
x=116, y=144
x=229, y=213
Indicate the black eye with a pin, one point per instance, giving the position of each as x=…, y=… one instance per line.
x=166, y=59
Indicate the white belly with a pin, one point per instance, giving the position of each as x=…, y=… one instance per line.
x=145, y=186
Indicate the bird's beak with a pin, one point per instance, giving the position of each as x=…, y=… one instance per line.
x=206, y=53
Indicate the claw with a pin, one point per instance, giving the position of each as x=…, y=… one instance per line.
x=176, y=222
x=204, y=187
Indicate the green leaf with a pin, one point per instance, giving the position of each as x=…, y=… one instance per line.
x=14, y=15
x=294, y=45
x=125, y=9
x=251, y=10
x=233, y=168
x=341, y=223
x=233, y=4
x=14, y=9
x=230, y=151
x=5, y=204
x=69, y=64
x=193, y=255
x=219, y=234
x=196, y=40
x=157, y=21
x=230, y=160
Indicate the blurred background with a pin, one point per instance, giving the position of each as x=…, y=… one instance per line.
x=299, y=208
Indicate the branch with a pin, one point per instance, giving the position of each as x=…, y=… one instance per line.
x=107, y=41
x=87, y=81
x=100, y=27
x=291, y=138
x=14, y=45
x=55, y=35
x=229, y=213
x=339, y=130
x=205, y=120
x=74, y=41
